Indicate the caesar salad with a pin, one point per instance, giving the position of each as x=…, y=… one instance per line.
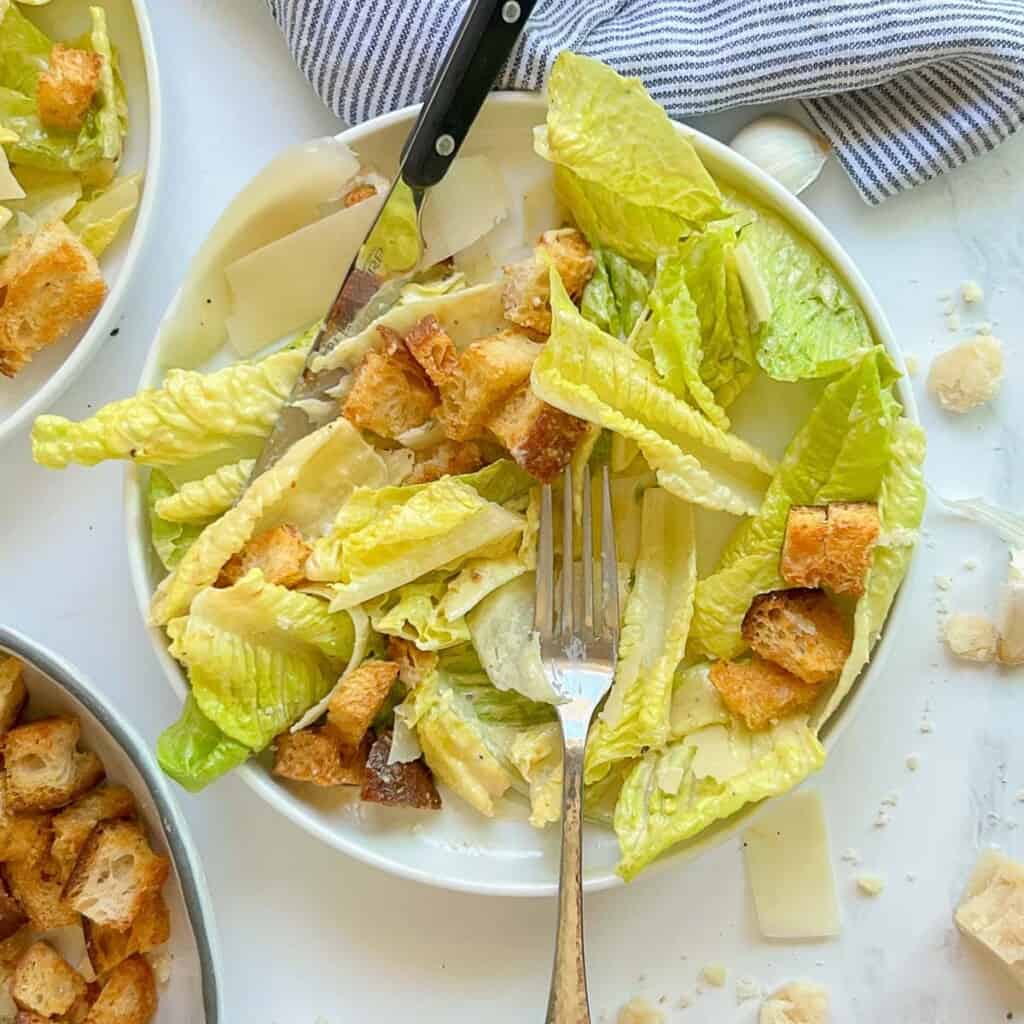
x=63, y=120
x=360, y=614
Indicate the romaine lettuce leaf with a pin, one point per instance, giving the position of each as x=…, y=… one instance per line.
x=259, y=655
x=24, y=52
x=589, y=374
x=615, y=298
x=816, y=328
x=901, y=504
x=104, y=121
x=198, y=501
x=655, y=626
x=536, y=754
x=414, y=613
x=696, y=703
x=170, y=539
x=194, y=752
x=192, y=414
x=98, y=218
x=664, y=802
x=304, y=488
x=840, y=454
x=49, y=196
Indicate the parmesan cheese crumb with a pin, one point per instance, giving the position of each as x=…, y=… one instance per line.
x=927, y=726
x=953, y=320
x=967, y=375
x=943, y=582
x=747, y=989
x=871, y=885
x=851, y=856
x=971, y=292
x=913, y=762
x=713, y=975
x=971, y=637
x=796, y=1003
x=639, y=1011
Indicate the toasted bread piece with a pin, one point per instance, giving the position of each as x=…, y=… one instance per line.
x=398, y=785
x=801, y=630
x=541, y=438
x=357, y=194
x=358, y=698
x=72, y=826
x=44, y=767
x=28, y=1017
x=108, y=947
x=115, y=874
x=446, y=459
x=36, y=884
x=390, y=394
x=128, y=996
x=414, y=665
x=49, y=281
x=67, y=87
x=759, y=691
x=830, y=545
x=22, y=836
x=434, y=351
x=12, y=915
x=44, y=982
x=526, y=297
x=13, y=694
x=317, y=755
x=280, y=553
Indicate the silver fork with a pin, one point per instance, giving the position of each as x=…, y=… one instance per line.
x=579, y=635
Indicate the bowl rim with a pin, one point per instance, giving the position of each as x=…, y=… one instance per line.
x=99, y=330
x=194, y=888
x=795, y=213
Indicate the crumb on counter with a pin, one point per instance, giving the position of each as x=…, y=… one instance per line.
x=971, y=637
x=713, y=975
x=972, y=292
x=991, y=911
x=639, y=1011
x=913, y=762
x=796, y=1003
x=967, y=375
x=871, y=885
x=747, y=989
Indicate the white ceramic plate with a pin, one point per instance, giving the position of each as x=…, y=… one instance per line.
x=57, y=688
x=49, y=374
x=457, y=848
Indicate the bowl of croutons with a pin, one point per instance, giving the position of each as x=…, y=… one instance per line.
x=104, y=913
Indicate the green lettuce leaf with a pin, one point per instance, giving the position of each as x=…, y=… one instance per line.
x=24, y=52
x=615, y=298
x=198, y=501
x=49, y=196
x=194, y=752
x=98, y=219
x=901, y=504
x=259, y=655
x=816, y=328
x=589, y=374
x=193, y=414
x=414, y=613
x=637, y=190
x=663, y=801
x=104, y=126
x=840, y=454
x=536, y=754
x=304, y=487
x=171, y=540
x=655, y=627
x=696, y=703
x=396, y=234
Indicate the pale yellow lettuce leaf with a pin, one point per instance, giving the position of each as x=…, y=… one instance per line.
x=197, y=501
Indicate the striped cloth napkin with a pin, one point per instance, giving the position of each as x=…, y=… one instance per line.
x=903, y=89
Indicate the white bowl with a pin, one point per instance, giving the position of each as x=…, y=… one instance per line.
x=50, y=373
x=57, y=688
x=457, y=848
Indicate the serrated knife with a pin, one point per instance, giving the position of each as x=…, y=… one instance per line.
x=371, y=285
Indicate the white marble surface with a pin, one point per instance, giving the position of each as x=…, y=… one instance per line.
x=309, y=936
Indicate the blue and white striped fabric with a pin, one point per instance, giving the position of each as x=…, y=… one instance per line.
x=903, y=89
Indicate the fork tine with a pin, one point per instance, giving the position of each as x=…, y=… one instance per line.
x=587, y=555
x=609, y=564
x=565, y=616
x=544, y=605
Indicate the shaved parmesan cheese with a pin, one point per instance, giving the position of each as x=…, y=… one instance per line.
x=465, y=206
x=789, y=864
x=405, y=746
x=286, y=195
x=717, y=757
x=5, y=216
x=427, y=435
x=9, y=187
x=289, y=284
x=639, y=1011
x=317, y=410
x=796, y=1003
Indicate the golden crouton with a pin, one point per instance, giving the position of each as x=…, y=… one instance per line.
x=13, y=694
x=107, y=946
x=128, y=996
x=526, y=297
x=358, y=194
x=115, y=874
x=67, y=87
x=538, y=436
x=280, y=553
x=317, y=755
x=35, y=883
x=830, y=545
x=390, y=394
x=408, y=784
x=44, y=767
x=759, y=691
x=414, y=665
x=44, y=983
x=49, y=281
x=358, y=698
x=12, y=916
x=22, y=836
x=446, y=459
x=72, y=826
x=801, y=630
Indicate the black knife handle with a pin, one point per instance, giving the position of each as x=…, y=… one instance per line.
x=483, y=43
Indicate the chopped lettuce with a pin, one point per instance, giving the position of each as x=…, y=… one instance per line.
x=170, y=539
x=24, y=52
x=195, y=752
x=840, y=454
x=536, y=753
x=414, y=613
x=816, y=328
x=394, y=242
x=259, y=655
x=104, y=120
x=98, y=219
x=587, y=373
x=198, y=501
x=49, y=196
x=615, y=298
x=663, y=801
x=192, y=414
x=655, y=626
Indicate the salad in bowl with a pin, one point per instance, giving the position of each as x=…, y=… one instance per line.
x=358, y=618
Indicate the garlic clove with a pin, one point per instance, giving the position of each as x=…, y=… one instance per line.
x=783, y=148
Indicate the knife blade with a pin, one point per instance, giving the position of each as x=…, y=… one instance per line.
x=373, y=282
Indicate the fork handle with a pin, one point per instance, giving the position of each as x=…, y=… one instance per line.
x=567, y=1003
